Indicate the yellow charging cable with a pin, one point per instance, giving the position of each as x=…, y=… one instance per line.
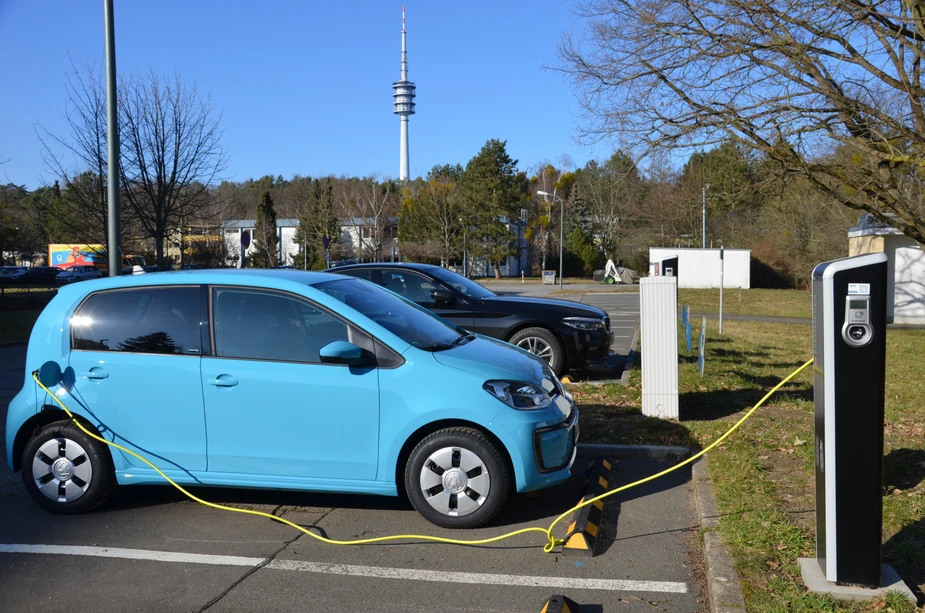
x=551, y=540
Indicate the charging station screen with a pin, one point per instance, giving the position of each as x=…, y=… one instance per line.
x=858, y=304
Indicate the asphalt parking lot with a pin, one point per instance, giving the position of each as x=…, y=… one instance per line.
x=150, y=549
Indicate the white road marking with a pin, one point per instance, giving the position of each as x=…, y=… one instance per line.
x=132, y=554
x=614, y=585
x=378, y=572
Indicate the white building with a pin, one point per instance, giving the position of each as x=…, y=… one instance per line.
x=238, y=236
x=905, y=266
x=700, y=268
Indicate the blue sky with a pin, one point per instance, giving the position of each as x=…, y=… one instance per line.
x=305, y=87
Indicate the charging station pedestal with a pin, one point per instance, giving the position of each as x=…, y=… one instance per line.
x=849, y=354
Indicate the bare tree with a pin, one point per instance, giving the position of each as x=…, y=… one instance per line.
x=79, y=161
x=375, y=203
x=171, y=152
x=830, y=89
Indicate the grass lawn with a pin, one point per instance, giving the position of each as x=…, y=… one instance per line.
x=763, y=475
x=772, y=302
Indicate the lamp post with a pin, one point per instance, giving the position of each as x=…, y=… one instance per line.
x=561, y=228
x=703, y=244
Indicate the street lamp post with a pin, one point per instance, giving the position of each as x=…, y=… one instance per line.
x=561, y=228
x=703, y=233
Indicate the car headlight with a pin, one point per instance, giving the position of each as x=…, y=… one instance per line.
x=519, y=395
x=584, y=323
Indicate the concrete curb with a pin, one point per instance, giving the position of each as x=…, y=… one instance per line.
x=722, y=578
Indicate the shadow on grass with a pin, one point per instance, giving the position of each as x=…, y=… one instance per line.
x=708, y=406
x=903, y=469
x=626, y=425
x=906, y=553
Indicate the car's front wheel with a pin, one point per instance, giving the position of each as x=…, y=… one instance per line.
x=542, y=343
x=66, y=471
x=457, y=478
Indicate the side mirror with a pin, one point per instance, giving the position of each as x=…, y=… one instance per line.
x=441, y=296
x=342, y=352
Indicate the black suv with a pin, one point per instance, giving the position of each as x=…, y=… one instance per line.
x=568, y=335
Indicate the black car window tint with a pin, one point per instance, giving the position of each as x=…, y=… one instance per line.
x=161, y=320
x=418, y=288
x=261, y=325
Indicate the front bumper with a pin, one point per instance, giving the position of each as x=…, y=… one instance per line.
x=554, y=447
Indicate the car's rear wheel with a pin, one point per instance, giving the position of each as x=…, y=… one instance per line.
x=457, y=478
x=66, y=471
x=544, y=344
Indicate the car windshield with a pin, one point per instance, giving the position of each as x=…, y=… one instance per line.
x=402, y=318
x=461, y=284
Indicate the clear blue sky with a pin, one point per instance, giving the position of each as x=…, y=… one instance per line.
x=305, y=87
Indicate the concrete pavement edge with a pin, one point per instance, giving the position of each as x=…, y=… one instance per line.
x=722, y=579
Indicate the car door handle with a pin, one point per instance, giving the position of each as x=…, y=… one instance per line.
x=223, y=381
x=96, y=373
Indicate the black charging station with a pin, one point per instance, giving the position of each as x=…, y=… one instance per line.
x=670, y=267
x=849, y=353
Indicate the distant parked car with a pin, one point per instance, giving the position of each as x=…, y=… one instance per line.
x=78, y=273
x=567, y=335
x=9, y=274
x=41, y=274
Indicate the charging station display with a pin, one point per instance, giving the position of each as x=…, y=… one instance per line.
x=849, y=352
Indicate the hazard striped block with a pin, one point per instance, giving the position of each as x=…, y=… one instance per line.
x=583, y=532
x=560, y=604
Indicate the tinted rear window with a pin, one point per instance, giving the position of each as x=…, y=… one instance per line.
x=162, y=320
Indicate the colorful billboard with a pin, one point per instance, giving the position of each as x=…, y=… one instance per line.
x=66, y=255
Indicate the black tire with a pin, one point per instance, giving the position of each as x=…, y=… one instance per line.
x=543, y=343
x=482, y=490
x=75, y=470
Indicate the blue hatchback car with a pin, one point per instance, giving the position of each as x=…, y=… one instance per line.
x=283, y=379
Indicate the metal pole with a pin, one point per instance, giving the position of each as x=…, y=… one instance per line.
x=721, y=266
x=112, y=144
x=561, y=236
x=704, y=231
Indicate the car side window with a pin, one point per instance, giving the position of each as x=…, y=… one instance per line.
x=414, y=287
x=266, y=325
x=161, y=320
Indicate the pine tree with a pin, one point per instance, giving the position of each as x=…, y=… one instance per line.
x=492, y=191
x=266, y=238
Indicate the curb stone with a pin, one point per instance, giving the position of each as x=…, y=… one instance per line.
x=722, y=579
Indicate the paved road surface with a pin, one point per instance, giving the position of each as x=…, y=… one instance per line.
x=151, y=550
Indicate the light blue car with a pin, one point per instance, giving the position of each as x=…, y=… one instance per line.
x=286, y=380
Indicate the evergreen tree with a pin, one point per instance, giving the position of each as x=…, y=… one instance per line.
x=317, y=219
x=492, y=191
x=266, y=238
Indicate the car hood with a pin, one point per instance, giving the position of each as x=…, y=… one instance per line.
x=494, y=359
x=567, y=307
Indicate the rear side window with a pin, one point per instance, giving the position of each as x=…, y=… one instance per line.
x=162, y=320
x=265, y=325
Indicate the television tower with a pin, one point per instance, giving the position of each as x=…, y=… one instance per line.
x=404, y=102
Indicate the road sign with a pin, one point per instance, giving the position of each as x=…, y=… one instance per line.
x=325, y=241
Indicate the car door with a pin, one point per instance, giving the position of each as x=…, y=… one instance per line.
x=135, y=355
x=272, y=407
x=417, y=288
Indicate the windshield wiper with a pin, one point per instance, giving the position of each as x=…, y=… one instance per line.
x=444, y=346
